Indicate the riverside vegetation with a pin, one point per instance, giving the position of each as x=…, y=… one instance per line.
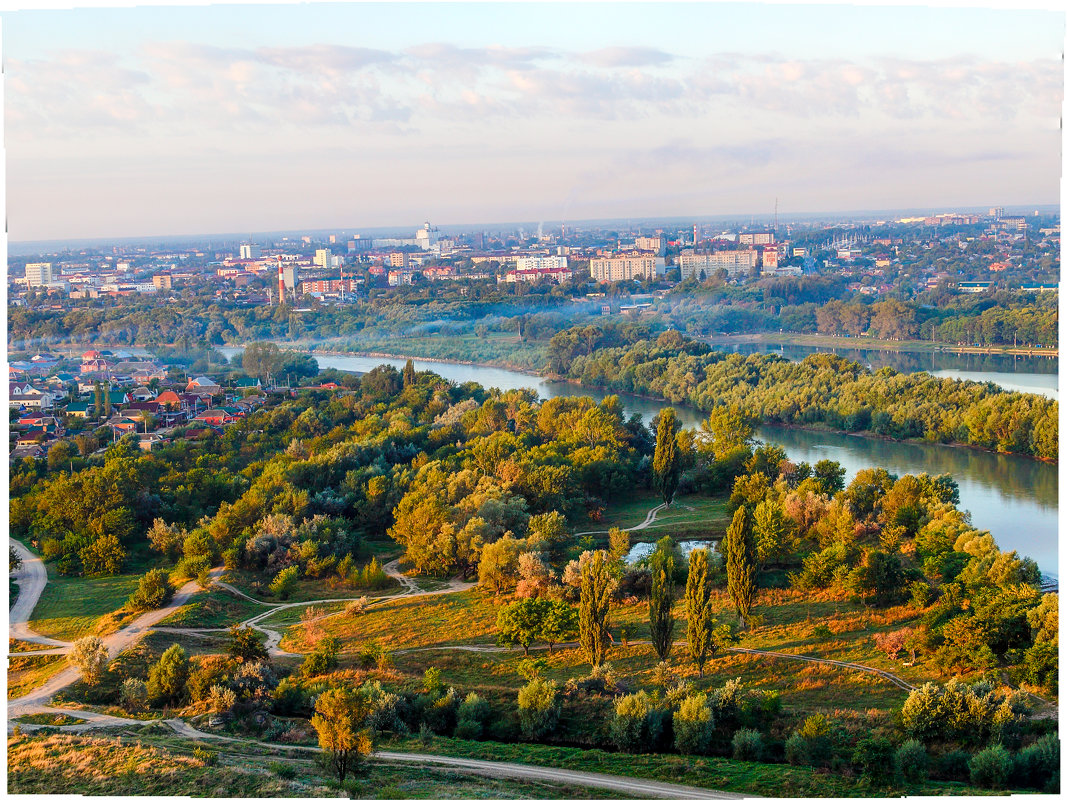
x=544, y=642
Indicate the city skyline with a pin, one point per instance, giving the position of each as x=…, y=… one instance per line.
x=171, y=121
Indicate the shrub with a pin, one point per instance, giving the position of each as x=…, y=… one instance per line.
x=538, y=708
x=911, y=761
x=693, y=725
x=153, y=590
x=991, y=767
x=281, y=770
x=189, y=567
x=222, y=699
x=874, y=756
x=356, y=607
x=954, y=765
x=1035, y=765
x=285, y=582
x=207, y=758
x=470, y=718
x=167, y=678
x=748, y=745
x=89, y=655
x=797, y=751
x=322, y=660
x=439, y=712
x=134, y=694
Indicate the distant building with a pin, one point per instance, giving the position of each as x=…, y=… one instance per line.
x=756, y=238
x=398, y=260
x=626, y=267
x=331, y=286
x=322, y=259
x=162, y=281
x=654, y=244
x=526, y=263
x=401, y=278
x=770, y=260
x=426, y=237
x=290, y=276
x=735, y=262
x=38, y=274
x=249, y=252
x=974, y=287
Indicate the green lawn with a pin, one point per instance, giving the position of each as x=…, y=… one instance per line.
x=688, y=515
x=24, y=673
x=70, y=606
x=215, y=608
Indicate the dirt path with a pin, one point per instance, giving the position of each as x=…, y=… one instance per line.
x=116, y=643
x=506, y=770
x=31, y=578
x=650, y=518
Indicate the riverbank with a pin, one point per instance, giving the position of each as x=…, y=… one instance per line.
x=870, y=343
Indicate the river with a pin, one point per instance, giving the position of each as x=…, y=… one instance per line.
x=1014, y=497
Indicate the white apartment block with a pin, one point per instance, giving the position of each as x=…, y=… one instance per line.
x=38, y=274
x=525, y=263
x=626, y=268
x=735, y=262
x=250, y=251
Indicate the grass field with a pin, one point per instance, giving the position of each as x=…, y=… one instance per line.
x=305, y=590
x=751, y=778
x=26, y=672
x=71, y=606
x=155, y=763
x=688, y=515
x=215, y=608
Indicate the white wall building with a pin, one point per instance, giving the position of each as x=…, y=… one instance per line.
x=38, y=274
x=735, y=262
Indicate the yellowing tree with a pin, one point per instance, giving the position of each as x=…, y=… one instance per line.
x=340, y=718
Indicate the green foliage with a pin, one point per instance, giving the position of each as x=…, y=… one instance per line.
x=661, y=598
x=322, y=660
x=748, y=745
x=966, y=713
x=874, y=756
x=596, y=588
x=539, y=708
x=911, y=761
x=285, y=582
x=471, y=717
x=666, y=467
x=694, y=725
x=1038, y=764
x=740, y=554
x=103, y=556
x=991, y=767
x=698, y=609
x=153, y=590
x=167, y=678
x=520, y=622
x=637, y=724
x=244, y=645
x=797, y=750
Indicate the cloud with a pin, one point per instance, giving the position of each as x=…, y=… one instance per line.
x=609, y=57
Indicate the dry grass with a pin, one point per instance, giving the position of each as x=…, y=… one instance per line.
x=24, y=673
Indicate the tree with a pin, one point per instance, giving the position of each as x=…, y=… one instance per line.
x=285, y=582
x=740, y=552
x=243, y=645
x=103, y=556
x=167, y=678
x=560, y=623
x=98, y=400
x=596, y=586
x=727, y=429
x=321, y=660
x=698, y=608
x=520, y=622
x=409, y=374
x=341, y=722
x=661, y=599
x=166, y=538
x=89, y=655
x=693, y=725
x=666, y=468
x=153, y=590
x=770, y=531
x=14, y=560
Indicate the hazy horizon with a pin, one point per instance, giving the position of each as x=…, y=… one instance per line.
x=124, y=122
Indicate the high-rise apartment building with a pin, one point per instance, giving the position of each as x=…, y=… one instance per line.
x=626, y=267
x=39, y=274
x=250, y=251
x=322, y=258
x=735, y=262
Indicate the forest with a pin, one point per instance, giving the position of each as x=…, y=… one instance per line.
x=822, y=389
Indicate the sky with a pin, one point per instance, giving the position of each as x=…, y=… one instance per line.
x=155, y=120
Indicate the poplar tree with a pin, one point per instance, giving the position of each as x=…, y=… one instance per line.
x=665, y=465
x=98, y=400
x=593, y=609
x=699, y=621
x=409, y=374
x=661, y=600
x=739, y=548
